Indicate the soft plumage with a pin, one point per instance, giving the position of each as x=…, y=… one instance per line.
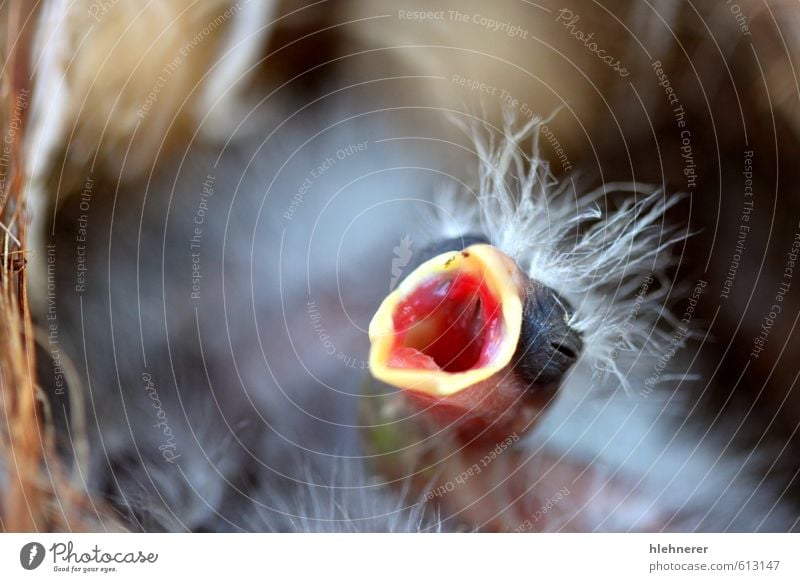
x=606, y=250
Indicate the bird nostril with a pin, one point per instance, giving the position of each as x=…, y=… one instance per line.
x=564, y=350
x=548, y=345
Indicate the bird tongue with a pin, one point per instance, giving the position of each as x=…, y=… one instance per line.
x=450, y=324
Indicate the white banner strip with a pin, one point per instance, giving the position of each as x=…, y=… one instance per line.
x=383, y=557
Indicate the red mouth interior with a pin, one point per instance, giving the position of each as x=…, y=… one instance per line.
x=449, y=323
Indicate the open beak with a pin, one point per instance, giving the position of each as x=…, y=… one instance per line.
x=468, y=335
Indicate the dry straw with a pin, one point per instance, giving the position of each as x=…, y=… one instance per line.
x=38, y=491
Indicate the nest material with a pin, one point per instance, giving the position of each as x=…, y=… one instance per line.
x=37, y=490
x=20, y=426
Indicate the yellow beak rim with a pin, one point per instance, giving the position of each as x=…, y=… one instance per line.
x=503, y=279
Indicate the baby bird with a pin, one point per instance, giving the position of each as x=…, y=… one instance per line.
x=288, y=285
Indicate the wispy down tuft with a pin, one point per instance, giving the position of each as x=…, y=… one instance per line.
x=605, y=251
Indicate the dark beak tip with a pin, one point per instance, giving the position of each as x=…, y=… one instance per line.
x=566, y=349
x=548, y=345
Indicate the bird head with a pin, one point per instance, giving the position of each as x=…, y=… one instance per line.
x=469, y=336
x=485, y=330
